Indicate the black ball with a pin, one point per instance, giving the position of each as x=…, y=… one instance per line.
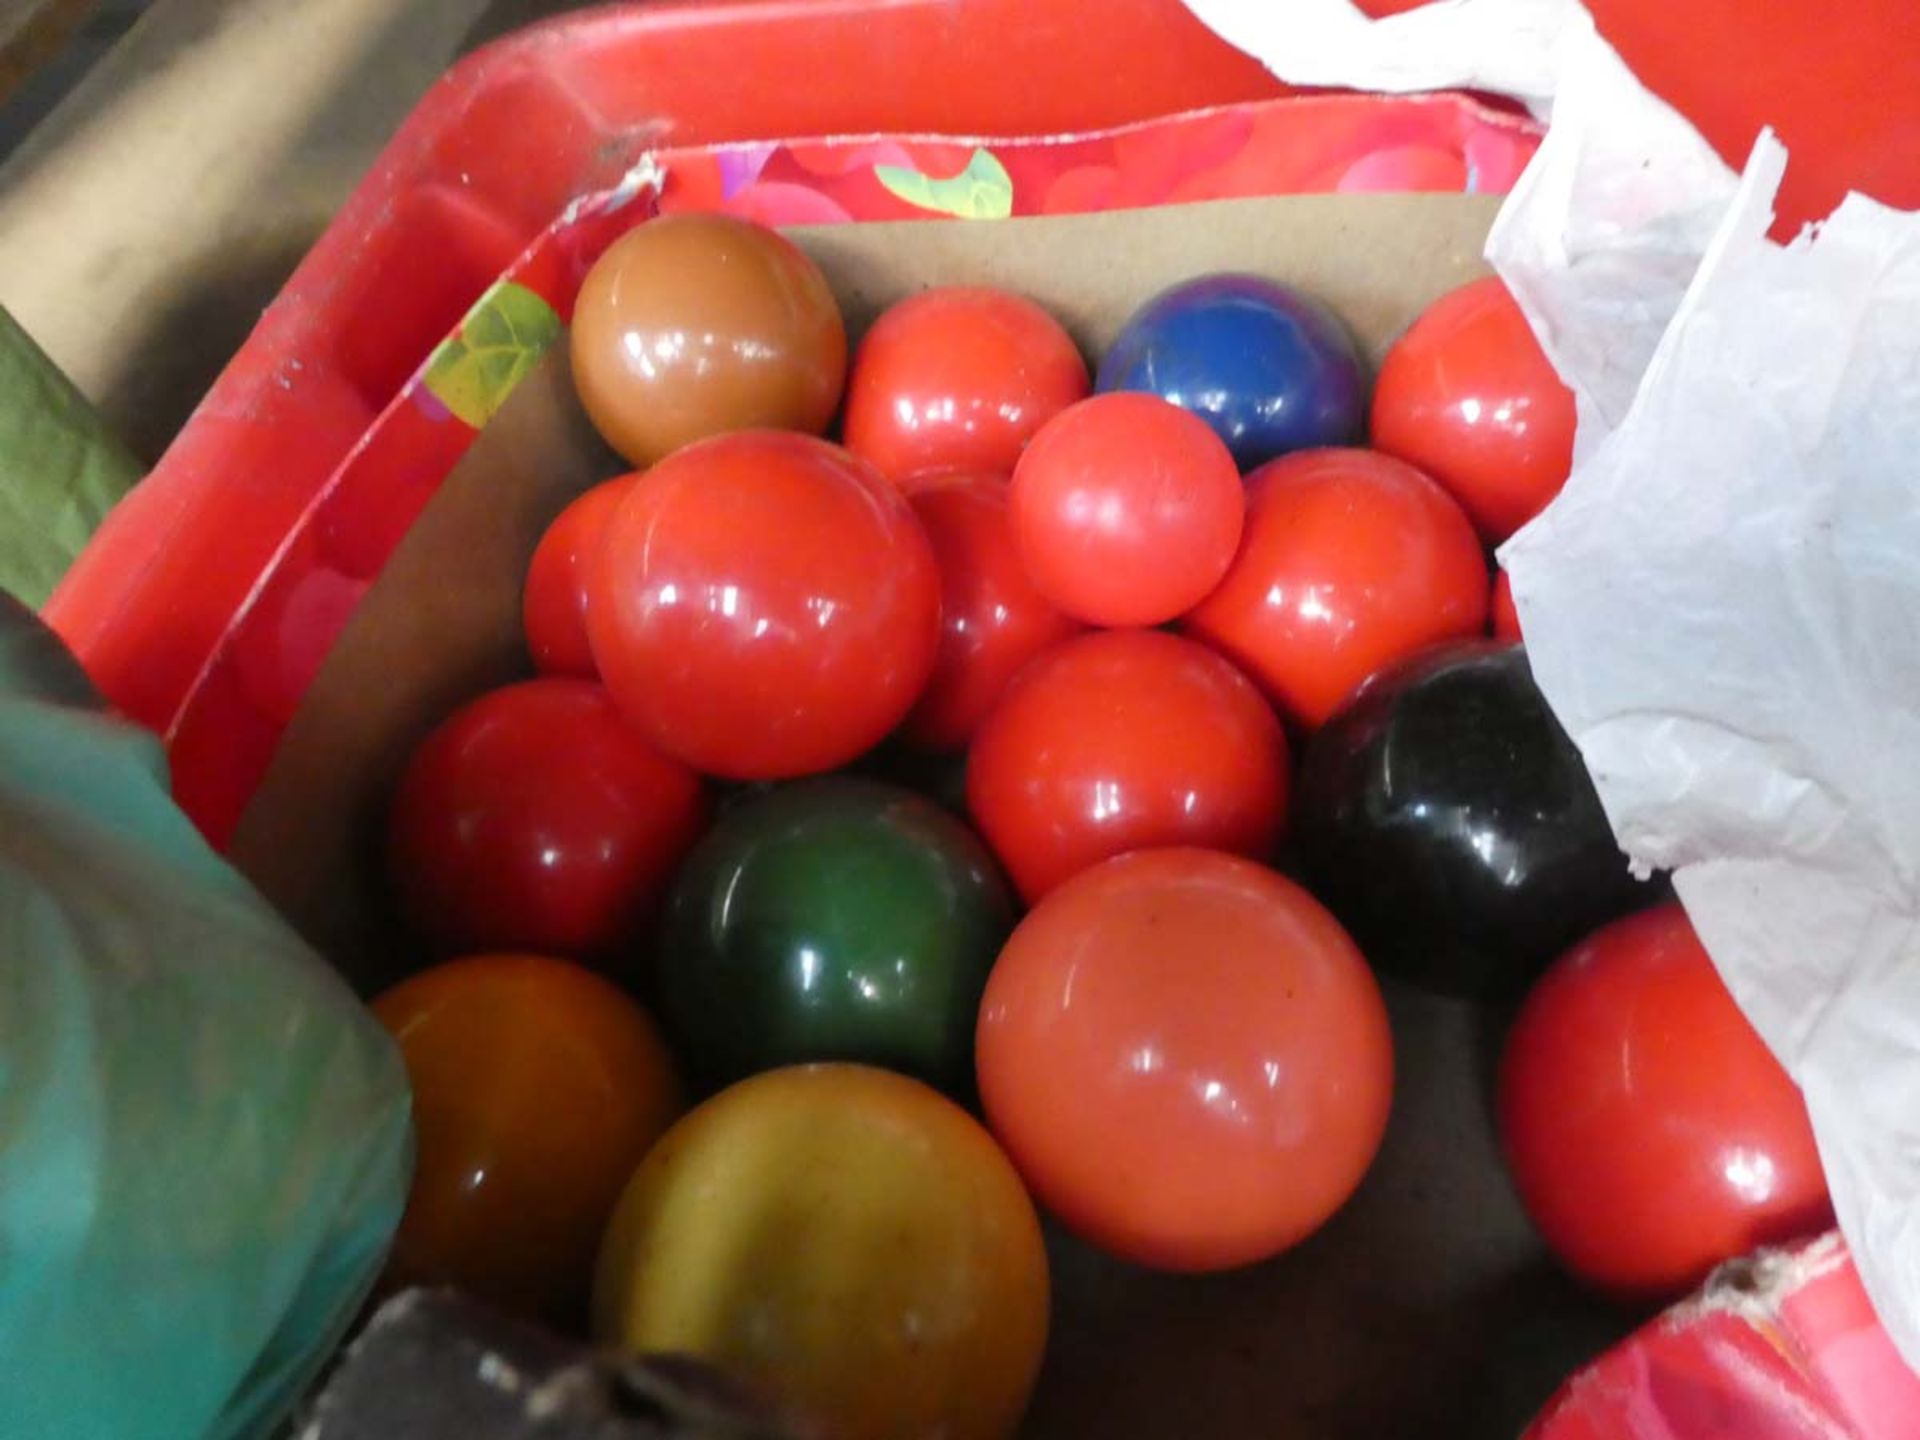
x=1449, y=822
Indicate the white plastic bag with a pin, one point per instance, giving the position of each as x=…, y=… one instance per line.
x=1723, y=607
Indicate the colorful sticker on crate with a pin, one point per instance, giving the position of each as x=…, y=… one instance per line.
x=982, y=191
x=502, y=338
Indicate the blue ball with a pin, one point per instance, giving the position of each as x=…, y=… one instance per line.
x=1270, y=369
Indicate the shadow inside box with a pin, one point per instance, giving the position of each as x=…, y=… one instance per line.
x=1285, y=1348
x=1544, y=1329
x=208, y=316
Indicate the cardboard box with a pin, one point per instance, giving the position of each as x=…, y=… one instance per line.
x=1427, y=1302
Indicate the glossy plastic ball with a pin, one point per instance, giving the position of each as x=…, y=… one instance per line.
x=1120, y=740
x=1270, y=368
x=1351, y=561
x=958, y=378
x=554, y=603
x=992, y=618
x=1187, y=1059
x=697, y=325
x=1649, y=1130
x=537, y=1088
x=1449, y=822
x=1126, y=510
x=765, y=605
x=834, y=919
x=1469, y=397
x=846, y=1239
x=536, y=818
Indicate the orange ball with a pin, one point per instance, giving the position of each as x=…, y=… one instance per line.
x=553, y=605
x=537, y=1088
x=1468, y=395
x=1351, y=560
x=764, y=605
x=1124, y=739
x=1126, y=509
x=694, y=325
x=992, y=619
x=1187, y=1059
x=1650, y=1132
x=958, y=378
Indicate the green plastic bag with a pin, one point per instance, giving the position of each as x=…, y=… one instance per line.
x=204, y=1138
x=60, y=469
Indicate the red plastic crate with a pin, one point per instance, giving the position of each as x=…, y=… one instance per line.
x=485, y=162
x=223, y=730
x=264, y=513
x=514, y=131
x=1785, y=1348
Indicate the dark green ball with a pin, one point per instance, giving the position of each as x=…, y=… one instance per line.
x=835, y=919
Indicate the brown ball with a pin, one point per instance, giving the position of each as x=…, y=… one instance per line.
x=694, y=325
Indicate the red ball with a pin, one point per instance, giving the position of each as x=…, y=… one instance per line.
x=536, y=818
x=993, y=621
x=1351, y=561
x=1506, y=619
x=956, y=379
x=1127, y=509
x=1186, y=1059
x=553, y=607
x=1122, y=740
x=764, y=605
x=1651, y=1133
x=1468, y=396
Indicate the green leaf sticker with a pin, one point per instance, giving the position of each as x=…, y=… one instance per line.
x=502, y=338
x=982, y=191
